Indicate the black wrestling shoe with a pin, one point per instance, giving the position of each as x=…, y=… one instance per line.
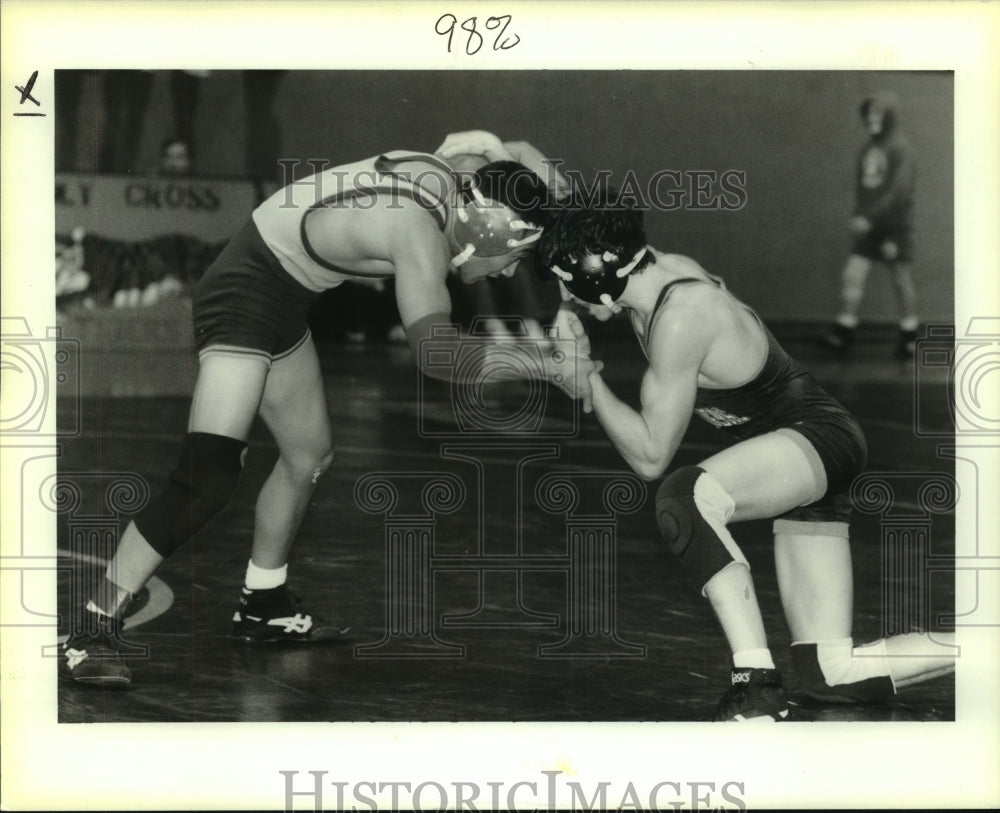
x=95, y=658
x=839, y=338
x=756, y=695
x=906, y=344
x=276, y=615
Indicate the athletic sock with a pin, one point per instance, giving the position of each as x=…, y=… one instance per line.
x=848, y=321
x=110, y=599
x=93, y=608
x=753, y=659
x=261, y=578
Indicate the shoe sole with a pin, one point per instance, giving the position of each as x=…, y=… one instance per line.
x=104, y=681
x=108, y=683
x=760, y=718
x=325, y=635
x=323, y=638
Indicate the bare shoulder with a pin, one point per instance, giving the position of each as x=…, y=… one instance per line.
x=688, y=306
x=686, y=324
x=373, y=231
x=680, y=264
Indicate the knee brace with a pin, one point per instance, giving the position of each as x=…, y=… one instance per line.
x=200, y=486
x=840, y=672
x=692, y=510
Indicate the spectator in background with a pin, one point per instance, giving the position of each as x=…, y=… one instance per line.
x=185, y=91
x=493, y=299
x=126, y=98
x=881, y=226
x=175, y=157
x=67, y=89
x=263, y=133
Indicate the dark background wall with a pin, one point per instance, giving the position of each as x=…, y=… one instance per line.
x=795, y=135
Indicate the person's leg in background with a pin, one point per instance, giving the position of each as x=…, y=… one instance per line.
x=126, y=95
x=263, y=133
x=185, y=92
x=854, y=277
x=67, y=90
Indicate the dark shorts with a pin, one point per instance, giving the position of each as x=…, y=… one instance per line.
x=247, y=300
x=870, y=245
x=843, y=453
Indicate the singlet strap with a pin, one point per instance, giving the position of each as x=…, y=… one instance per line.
x=384, y=165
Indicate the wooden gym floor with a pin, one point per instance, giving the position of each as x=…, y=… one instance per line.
x=508, y=571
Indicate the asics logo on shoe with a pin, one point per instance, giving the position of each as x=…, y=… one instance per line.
x=298, y=623
x=741, y=677
x=75, y=656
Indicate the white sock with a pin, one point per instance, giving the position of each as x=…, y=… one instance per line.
x=753, y=659
x=260, y=578
x=848, y=320
x=909, y=323
x=93, y=608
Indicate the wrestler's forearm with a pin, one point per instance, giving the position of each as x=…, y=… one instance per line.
x=626, y=429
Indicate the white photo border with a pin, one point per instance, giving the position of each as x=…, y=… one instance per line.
x=206, y=766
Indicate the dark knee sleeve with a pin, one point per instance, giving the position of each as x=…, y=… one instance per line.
x=200, y=486
x=681, y=507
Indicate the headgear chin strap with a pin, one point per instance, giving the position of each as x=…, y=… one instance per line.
x=597, y=278
x=485, y=229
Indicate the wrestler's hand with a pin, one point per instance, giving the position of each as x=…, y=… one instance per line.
x=569, y=326
x=576, y=371
x=860, y=225
x=474, y=142
x=572, y=376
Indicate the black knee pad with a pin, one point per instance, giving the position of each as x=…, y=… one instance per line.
x=873, y=689
x=200, y=487
x=681, y=507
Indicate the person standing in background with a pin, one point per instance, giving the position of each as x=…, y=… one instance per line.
x=185, y=91
x=263, y=139
x=881, y=225
x=126, y=96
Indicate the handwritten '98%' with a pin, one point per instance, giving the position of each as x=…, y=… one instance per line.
x=446, y=24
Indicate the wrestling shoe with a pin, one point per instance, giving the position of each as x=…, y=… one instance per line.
x=839, y=338
x=94, y=658
x=275, y=615
x=906, y=344
x=755, y=695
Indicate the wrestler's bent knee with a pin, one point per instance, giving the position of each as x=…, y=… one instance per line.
x=692, y=509
x=200, y=486
x=840, y=672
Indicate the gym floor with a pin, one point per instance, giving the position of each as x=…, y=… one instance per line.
x=499, y=565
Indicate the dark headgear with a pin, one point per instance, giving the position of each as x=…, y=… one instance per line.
x=597, y=278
